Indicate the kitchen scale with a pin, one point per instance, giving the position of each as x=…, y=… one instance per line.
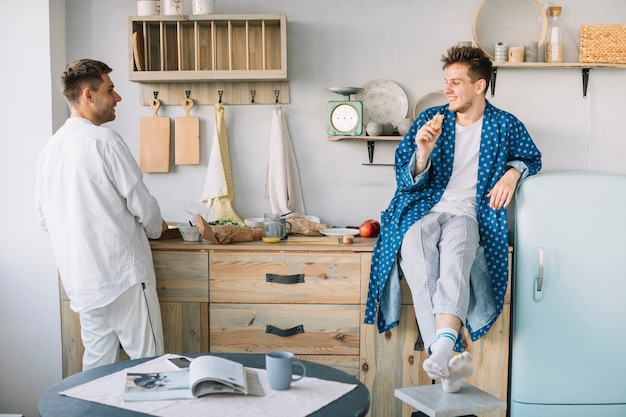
x=345, y=118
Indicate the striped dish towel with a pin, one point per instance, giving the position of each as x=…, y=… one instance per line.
x=219, y=191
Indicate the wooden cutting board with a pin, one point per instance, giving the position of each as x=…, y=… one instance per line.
x=154, y=141
x=187, y=137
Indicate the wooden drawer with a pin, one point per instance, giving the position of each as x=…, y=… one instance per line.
x=325, y=329
x=182, y=276
x=185, y=327
x=249, y=277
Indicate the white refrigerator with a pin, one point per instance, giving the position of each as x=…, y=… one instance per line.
x=568, y=338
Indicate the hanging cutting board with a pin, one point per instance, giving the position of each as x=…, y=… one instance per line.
x=154, y=141
x=187, y=137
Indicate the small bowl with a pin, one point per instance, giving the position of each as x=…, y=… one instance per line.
x=254, y=222
x=190, y=233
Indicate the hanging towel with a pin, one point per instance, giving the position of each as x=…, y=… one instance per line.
x=219, y=191
x=282, y=180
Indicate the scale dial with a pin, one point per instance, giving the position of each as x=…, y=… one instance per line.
x=345, y=118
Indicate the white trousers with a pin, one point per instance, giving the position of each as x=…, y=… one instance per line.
x=132, y=320
x=437, y=254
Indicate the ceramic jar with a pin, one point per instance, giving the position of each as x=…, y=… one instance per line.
x=172, y=7
x=203, y=6
x=148, y=7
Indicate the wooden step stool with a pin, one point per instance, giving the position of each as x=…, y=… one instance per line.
x=432, y=401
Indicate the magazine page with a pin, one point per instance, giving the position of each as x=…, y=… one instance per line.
x=254, y=384
x=212, y=387
x=214, y=368
x=153, y=386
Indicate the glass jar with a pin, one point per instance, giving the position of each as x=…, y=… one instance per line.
x=554, y=41
x=273, y=228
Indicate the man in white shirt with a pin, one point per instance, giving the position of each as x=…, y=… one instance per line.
x=92, y=200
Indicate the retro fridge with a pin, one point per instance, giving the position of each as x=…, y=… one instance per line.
x=568, y=338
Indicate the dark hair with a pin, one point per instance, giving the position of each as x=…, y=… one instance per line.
x=478, y=63
x=80, y=74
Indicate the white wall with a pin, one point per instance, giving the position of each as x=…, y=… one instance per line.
x=330, y=43
x=30, y=343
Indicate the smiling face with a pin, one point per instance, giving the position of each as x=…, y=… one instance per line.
x=104, y=100
x=464, y=95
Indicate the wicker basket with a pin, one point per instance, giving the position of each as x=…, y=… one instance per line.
x=603, y=44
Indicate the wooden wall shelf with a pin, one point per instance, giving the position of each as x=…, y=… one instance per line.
x=243, y=56
x=371, y=141
x=585, y=68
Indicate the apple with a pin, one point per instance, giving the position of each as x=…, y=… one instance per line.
x=369, y=228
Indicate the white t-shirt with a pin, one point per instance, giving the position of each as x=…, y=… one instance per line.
x=92, y=200
x=459, y=198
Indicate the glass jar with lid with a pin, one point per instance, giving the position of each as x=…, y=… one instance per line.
x=556, y=33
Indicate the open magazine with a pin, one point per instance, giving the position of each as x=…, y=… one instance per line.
x=205, y=375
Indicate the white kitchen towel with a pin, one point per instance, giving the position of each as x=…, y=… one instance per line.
x=215, y=183
x=219, y=191
x=303, y=398
x=282, y=179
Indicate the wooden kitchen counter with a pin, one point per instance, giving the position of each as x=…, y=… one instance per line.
x=305, y=297
x=360, y=244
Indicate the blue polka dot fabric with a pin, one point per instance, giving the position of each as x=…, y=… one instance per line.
x=505, y=142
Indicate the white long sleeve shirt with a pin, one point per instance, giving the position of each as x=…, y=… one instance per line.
x=92, y=200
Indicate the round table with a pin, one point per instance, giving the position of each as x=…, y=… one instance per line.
x=51, y=404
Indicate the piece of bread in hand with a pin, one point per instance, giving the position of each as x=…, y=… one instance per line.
x=437, y=121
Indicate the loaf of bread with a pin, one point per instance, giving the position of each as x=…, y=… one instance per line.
x=226, y=234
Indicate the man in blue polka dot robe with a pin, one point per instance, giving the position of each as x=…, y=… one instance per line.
x=447, y=220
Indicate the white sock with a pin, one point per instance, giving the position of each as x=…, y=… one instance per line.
x=459, y=367
x=436, y=366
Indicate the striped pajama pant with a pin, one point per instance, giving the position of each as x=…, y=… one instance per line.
x=436, y=257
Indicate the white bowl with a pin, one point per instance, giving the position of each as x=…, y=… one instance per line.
x=254, y=222
x=190, y=233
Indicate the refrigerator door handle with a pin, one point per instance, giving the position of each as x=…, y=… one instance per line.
x=539, y=278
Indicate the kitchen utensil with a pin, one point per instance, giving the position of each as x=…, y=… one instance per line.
x=254, y=222
x=345, y=118
x=154, y=141
x=279, y=367
x=189, y=233
x=187, y=137
x=429, y=99
x=273, y=229
x=339, y=232
x=383, y=101
x=345, y=91
x=138, y=51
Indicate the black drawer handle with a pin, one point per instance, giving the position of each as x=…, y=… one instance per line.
x=284, y=333
x=285, y=279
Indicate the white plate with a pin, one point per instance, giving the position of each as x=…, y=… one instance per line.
x=336, y=231
x=383, y=101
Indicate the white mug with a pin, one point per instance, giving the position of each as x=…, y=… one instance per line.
x=279, y=367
